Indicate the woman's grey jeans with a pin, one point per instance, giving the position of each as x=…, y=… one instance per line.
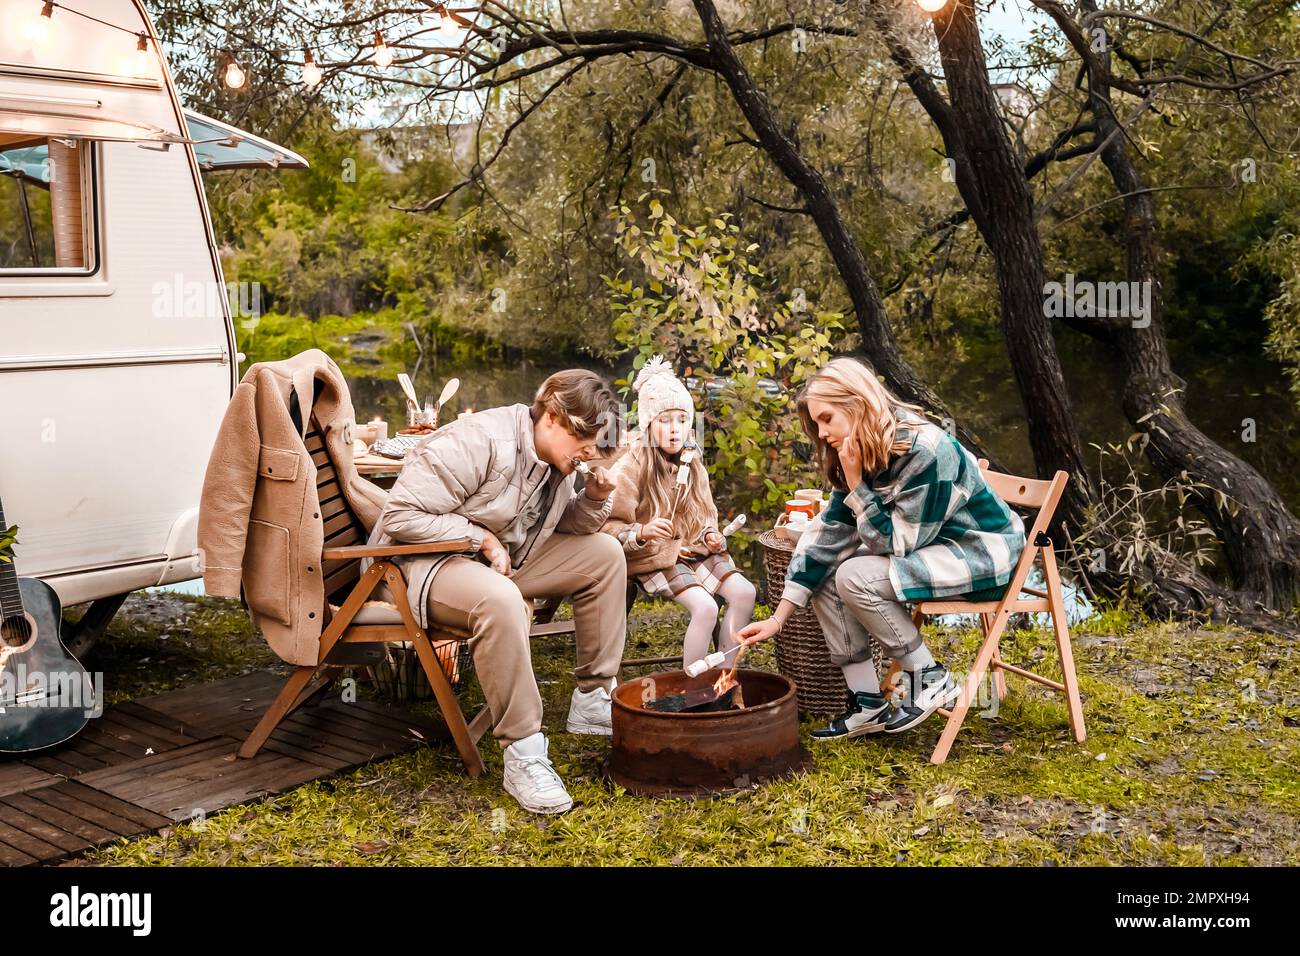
x=857, y=602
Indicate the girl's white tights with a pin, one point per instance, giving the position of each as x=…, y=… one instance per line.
x=703, y=608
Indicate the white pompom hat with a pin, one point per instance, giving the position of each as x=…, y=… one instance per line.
x=658, y=390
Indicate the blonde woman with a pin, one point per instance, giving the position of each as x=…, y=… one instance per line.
x=910, y=518
x=669, y=530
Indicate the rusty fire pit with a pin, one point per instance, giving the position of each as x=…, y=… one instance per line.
x=694, y=753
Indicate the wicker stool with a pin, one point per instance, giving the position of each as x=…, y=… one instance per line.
x=801, y=653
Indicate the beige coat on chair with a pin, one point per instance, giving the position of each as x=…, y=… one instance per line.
x=259, y=517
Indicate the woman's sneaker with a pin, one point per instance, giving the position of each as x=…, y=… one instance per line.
x=931, y=688
x=867, y=714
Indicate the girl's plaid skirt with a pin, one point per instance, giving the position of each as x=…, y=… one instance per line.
x=708, y=572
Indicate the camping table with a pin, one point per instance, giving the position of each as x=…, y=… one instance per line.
x=382, y=471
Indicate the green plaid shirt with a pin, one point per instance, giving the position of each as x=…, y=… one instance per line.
x=948, y=532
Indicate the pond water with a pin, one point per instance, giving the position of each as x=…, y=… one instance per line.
x=1222, y=392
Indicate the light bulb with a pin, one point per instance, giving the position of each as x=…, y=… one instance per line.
x=311, y=74
x=34, y=28
x=383, y=55
x=931, y=6
x=234, y=77
x=448, y=28
x=139, y=63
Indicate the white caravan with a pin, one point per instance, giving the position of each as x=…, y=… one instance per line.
x=117, y=350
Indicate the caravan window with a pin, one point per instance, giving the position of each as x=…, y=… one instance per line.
x=46, y=214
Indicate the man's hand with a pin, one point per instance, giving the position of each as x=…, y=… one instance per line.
x=496, y=553
x=714, y=541
x=656, y=528
x=599, y=484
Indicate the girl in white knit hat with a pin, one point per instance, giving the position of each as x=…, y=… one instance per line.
x=664, y=516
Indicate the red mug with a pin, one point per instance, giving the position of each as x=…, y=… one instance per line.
x=799, y=504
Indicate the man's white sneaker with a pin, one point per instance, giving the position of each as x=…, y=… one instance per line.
x=530, y=778
x=589, y=713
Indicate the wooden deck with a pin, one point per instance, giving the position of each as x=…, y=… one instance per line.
x=156, y=761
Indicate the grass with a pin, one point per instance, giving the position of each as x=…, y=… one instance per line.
x=1190, y=759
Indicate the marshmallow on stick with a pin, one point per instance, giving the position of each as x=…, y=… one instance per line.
x=716, y=659
x=683, y=475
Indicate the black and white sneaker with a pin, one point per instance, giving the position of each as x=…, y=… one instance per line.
x=867, y=714
x=928, y=690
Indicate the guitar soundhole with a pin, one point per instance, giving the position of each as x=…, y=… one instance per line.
x=15, y=631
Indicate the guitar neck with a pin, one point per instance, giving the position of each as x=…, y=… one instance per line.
x=11, y=600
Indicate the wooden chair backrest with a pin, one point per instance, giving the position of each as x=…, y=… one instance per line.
x=341, y=526
x=1027, y=493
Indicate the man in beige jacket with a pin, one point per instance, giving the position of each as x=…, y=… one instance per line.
x=503, y=479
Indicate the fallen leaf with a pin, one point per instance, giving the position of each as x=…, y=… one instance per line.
x=945, y=801
x=922, y=831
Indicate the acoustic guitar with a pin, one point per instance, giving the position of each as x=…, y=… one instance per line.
x=46, y=696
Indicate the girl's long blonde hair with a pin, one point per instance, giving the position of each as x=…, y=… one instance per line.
x=656, y=476
x=853, y=388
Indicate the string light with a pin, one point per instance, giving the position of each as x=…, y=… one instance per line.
x=448, y=28
x=36, y=32
x=233, y=75
x=383, y=56
x=311, y=74
x=138, y=63
x=931, y=6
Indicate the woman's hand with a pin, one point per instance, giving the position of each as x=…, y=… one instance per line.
x=759, y=631
x=656, y=528
x=851, y=461
x=714, y=541
x=496, y=553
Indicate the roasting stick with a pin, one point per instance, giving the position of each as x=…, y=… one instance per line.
x=716, y=659
x=683, y=475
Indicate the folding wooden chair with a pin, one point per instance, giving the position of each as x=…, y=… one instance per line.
x=994, y=615
x=357, y=621
x=350, y=626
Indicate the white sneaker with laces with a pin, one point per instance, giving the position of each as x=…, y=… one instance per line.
x=530, y=778
x=590, y=712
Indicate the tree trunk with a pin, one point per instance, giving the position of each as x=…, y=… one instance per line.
x=1261, y=537
x=993, y=186
x=878, y=341
x=998, y=197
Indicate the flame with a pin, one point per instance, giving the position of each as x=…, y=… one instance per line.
x=727, y=679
